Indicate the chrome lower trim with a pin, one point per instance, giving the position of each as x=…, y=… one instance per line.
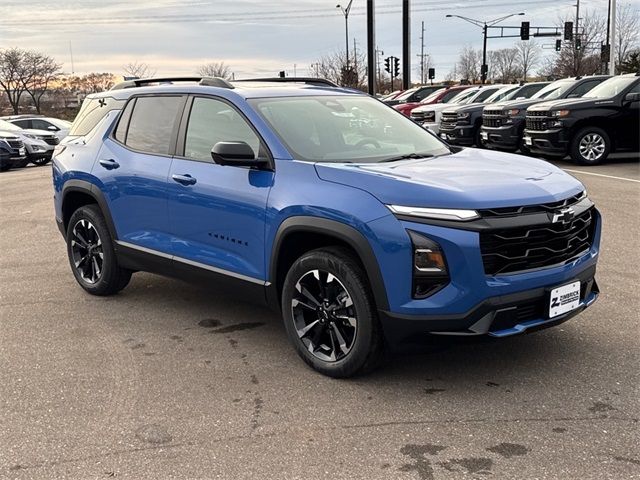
x=192, y=263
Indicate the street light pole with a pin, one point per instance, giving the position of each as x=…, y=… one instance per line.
x=345, y=12
x=485, y=29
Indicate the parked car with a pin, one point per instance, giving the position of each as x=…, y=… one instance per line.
x=481, y=96
x=442, y=95
x=360, y=235
x=429, y=115
x=604, y=120
x=60, y=128
x=14, y=153
x=458, y=128
x=503, y=124
x=413, y=95
x=391, y=95
x=38, y=143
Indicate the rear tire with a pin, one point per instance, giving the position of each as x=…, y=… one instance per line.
x=330, y=315
x=91, y=254
x=590, y=146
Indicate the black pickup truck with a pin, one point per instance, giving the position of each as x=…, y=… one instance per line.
x=503, y=123
x=604, y=120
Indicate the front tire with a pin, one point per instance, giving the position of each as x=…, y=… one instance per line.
x=330, y=315
x=41, y=161
x=91, y=253
x=590, y=146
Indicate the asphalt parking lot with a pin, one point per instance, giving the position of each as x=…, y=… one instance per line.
x=171, y=380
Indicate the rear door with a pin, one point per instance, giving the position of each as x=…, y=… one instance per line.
x=133, y=166
x=217, y=213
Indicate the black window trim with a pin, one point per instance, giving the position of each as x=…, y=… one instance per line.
x=174, y=132
x=184, y=123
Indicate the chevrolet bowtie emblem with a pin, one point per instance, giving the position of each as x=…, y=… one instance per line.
x=565, y=215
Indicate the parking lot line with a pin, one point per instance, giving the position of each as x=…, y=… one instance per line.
x=601, y=175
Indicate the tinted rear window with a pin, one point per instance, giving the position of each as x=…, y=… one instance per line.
x=152, y=123
x=93, y=110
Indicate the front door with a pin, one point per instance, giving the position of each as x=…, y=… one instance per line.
x=217, y=213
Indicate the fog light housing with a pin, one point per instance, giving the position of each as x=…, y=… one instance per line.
x=429, y=269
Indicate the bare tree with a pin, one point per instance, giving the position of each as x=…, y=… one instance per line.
x=527, y=57
x=627, y=26
x=14, y=74
x=138, y=70
x=43, y=70
x=469, y=64
x=332, y=67
x=215, y=69
x=426, y=62
x=504, y=64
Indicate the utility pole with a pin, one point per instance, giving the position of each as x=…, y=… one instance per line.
x=612, y=59
x=379, y=53
x=484, y=68
x=371, y=45
x=577, y=17
x=606, y=64
x=422, y=55
x=71, y=53
x=345, y=12
x=406, y=44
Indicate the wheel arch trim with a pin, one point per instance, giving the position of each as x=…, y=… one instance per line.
x=88, y=188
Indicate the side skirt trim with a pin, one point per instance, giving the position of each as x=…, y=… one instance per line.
x=186, y=261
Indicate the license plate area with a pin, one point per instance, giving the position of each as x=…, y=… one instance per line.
x=564, y=299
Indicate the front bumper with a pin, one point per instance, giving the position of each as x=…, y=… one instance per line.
x=550, y=142
x=459, y=135
x=501, y=138
x=500, y=316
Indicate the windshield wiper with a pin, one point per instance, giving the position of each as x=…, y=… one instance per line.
x=407, y=157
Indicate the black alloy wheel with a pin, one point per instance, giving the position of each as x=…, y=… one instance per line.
x=86, y=251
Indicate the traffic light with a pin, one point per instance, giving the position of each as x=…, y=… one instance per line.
x=484, y=70
x=578, y=44
x=432, y=73
x=524, y=31
x=387, y=64
x=605, y=53
x=568, y=30
x=558, y=45
x=396, y=67
x=281, y=74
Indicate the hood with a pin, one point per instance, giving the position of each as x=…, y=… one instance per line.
x=470, y=107
x=8, y=134
x=571, y=103
x=470, y=179
x=521, y=104
x=433, y=107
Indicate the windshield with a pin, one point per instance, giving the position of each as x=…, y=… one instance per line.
x=554, y=90
x=406, y=94
x=464, y=96
x=501, y=94
x=4, y=125
x=610, y=88
x=433, y=96
x=345, y=128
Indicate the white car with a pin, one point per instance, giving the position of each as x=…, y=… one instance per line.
x=429, y=115
x=38, y=143
x=60, y=128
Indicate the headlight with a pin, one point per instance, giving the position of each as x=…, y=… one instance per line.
x=33, y=137
x=430, y=114
x=429, y=266
x=462, y=116
x=560, y=113
x=435, y=213
x=513, y=112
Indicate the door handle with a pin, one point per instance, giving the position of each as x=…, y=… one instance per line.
x=109, y=163
x=185, y=179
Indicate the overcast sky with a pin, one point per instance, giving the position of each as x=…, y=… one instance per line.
x=255, y=38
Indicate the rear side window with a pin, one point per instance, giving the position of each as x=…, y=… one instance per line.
x=43, y=125
x=93, y=110
x=152, y=123
x=23, y=123
x=123, y=124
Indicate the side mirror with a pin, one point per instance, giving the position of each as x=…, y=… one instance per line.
x=236, y=154
x=632, y=97
x=53, y=128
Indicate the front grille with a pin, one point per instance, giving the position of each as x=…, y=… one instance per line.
x=524, y=312
x=419, y=116
x=523, y=248
x=493, y=118
x=542, y=208
x=448, y=121
x=15, y=143
x=538, y=120
x=51, y=140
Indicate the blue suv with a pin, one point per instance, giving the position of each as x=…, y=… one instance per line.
x=363, y=229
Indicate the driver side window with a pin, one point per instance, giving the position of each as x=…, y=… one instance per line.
x=212, y=121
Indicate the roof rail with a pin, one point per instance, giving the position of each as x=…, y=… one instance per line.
x=322, y=82
x=205, y=81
